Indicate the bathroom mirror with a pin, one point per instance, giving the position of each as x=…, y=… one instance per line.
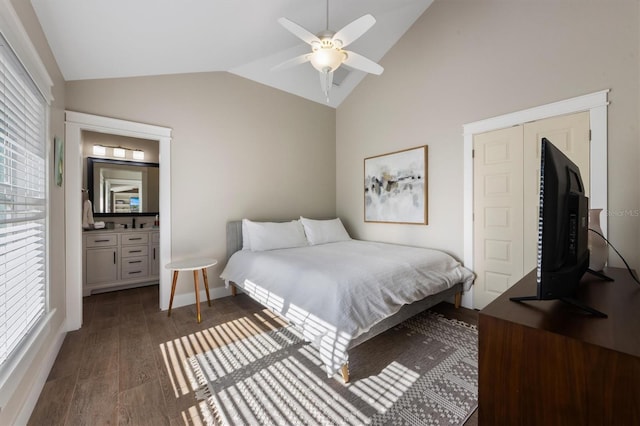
x=123, y=188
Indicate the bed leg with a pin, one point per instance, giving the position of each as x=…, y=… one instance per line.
x=345, y=373
x=458, y=300
x=234, y=290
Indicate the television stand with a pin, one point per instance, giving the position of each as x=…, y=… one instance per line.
x=548, y=366
x=582, y=306
x=568, y=300
x=599, y=275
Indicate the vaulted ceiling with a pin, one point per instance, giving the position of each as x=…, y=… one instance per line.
x=93, y=39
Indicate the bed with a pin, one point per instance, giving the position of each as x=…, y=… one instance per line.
x=342, y=293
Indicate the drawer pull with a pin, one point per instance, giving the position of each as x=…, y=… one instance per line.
x=135, y=251
x=133, y=239
x=102, y=241
x=114, y=257
x=135, y=272
x=135, y=261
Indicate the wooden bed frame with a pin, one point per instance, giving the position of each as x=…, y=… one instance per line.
x=234, y=243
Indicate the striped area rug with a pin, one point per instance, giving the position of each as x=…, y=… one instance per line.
x=422, y=372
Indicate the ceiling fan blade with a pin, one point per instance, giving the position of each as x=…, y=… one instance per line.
x=351, y=32
x=361, y=63
x=292, y=62
x=298, y=31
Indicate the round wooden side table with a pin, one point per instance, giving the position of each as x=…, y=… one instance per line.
x=194, y=265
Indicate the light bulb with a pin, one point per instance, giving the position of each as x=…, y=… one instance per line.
x=327, y=59
x=99, y=150
x=119, y=152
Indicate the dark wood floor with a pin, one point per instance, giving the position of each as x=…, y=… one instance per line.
x=124, y=366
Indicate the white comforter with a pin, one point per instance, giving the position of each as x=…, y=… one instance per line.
x=335, y=292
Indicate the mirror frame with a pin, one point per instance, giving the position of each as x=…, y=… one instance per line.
x=90, y=163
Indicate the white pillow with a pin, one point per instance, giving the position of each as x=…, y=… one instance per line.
x=273, y=235
x=324, y=231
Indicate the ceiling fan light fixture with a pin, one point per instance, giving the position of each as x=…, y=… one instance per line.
x=326, y=49
x=327, y=59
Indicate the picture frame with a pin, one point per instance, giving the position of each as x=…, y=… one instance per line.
x=395, y=187
x=58, y=160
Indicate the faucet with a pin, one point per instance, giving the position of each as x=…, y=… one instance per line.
x=133, y=223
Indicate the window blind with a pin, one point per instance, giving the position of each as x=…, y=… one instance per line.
x=23, y=202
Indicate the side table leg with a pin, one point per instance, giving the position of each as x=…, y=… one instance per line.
x=195, y=283
x=173, y=291
x=206, y=284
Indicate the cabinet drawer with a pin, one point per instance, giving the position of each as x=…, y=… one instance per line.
x=102, y=240
x=134, y=267
x=129, y=251
x=135, y=238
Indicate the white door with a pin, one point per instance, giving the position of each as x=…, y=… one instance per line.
x=498, y=204
x=505, y=234
x=568, y=133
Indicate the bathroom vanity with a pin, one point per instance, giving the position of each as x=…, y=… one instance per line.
x=118, y=259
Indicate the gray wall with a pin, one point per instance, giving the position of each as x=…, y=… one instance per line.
x=239, y=149
x=465, y=61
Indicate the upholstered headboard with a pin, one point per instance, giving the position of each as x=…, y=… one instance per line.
x=234, y=237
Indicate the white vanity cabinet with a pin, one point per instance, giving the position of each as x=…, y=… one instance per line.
x=101, y=254
x=119, y=259
x=134, y=253
x=154, y=253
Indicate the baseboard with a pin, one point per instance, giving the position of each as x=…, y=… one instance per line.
x=44, y=368
x=186, y=299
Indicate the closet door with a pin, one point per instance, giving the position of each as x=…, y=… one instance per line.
x=570, y=134
x=506, y=197
x=498, y=212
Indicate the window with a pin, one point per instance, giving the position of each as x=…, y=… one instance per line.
x=23, y=201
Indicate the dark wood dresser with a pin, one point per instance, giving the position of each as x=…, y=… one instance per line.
x=548, y=363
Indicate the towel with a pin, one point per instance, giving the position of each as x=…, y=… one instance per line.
x=87, y=215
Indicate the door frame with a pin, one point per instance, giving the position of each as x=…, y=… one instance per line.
x=596, y=103
x=75, y=124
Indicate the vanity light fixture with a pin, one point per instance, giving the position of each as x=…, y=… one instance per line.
x=118, y=151
x=99, y=150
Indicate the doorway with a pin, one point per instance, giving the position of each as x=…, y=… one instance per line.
x=595, y=104
x=75, y=124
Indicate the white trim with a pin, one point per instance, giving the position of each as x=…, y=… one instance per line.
x=22, y=361
x=18, y=38
x=75, y=124
x=44, y=368
x=596, y=103
x=116, y=126
x=567, y=106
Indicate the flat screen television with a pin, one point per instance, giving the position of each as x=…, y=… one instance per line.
x=563, y=226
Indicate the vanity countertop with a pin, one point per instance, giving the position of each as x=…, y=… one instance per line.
x=120, y=230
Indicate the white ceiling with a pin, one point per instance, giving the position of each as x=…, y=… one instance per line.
x=93, y=39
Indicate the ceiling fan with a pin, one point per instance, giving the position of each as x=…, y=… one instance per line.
x=327, y=52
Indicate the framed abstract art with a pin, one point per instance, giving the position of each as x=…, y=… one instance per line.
x=395, y=187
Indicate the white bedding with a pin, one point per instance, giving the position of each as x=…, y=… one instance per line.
x=335, y=292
